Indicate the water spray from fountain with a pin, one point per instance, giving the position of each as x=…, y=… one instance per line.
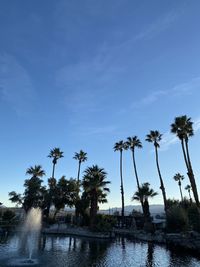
x=30, y=236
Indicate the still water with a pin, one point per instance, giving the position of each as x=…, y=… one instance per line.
x=56, y=251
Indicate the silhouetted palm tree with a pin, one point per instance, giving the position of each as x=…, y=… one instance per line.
x=144, y=193
x=183, y=129
x=95, y=186
x=120, y=146
x=155, y=137
x=81, y=157
x=55, y=154
x=178, y=178
x=35, y=171
x=188, y=188
x=132, y=143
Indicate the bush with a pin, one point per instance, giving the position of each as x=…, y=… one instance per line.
x=194, y=218
x=8, y=215
x=177, y=219
x=104, y=223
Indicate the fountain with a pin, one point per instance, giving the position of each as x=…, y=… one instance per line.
x=29, y=238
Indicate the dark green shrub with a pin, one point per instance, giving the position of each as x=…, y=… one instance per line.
x=194, y=217
x=8, y=215
x=177, y=219
x=104, y=223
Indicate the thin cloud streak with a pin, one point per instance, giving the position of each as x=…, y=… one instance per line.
x=177, y=91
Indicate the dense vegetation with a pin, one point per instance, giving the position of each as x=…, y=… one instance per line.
x=85, y=194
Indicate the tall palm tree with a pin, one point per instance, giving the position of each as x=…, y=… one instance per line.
x=120, y=146
x=132, y=143
x=188, y=188
x=144, y=193
x=95, y=186
x=178, y=178
x=155, y=137
x=183, y=129
x=81, y=157
x=55, y=154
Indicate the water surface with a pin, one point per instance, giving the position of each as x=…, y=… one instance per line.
x=55, y=251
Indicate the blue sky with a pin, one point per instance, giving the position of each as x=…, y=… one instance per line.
x=86, y=74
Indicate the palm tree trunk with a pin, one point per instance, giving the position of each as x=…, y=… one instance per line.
x=53, y=171
x=93, y=210
x=190, y=196
x=191, y=176
x=79, y=167
x=122, y=187
x=137, y=179
x=181, y=191
x=184, y=154
x=161, y=181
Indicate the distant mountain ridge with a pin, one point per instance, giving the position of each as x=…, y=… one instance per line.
x=154, y=209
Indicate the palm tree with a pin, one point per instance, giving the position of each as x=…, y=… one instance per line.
x=144, y=193
x=120, y=146
x=81, y=157
x=35, y=171
x=56, y=154
x=178, y=177
x=183, y=129
x=155, y=137
x=95, y=187
x=34, y=191
x=188, y=188
x=132, y=143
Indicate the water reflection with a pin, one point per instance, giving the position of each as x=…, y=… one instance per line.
x=150, y=256
x=73, y=251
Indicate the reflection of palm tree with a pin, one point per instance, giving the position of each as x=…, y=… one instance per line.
x=150, y=251
x=55, y=154
x=120, y=146
x=81, y=157
x=95, y=186
x=155, y=137
x=182, y=127
x=188, y=188
x=144, y=193
x=178, y=178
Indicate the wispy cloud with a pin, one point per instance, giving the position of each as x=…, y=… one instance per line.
x=159, y=25
x=177, y=91
x=16, y=87
x=98, y=130
x=170, y=139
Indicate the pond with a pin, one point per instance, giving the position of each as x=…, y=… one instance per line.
x=57, y=251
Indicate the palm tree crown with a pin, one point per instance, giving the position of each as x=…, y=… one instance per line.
x=94, y=180
x=120, y=146
x=144, y=192
x=133, y=142
x=178, y=177
x=81, y=156
x=35, y=171
x=182, y=127
x=154, y=137
x=56, y=154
